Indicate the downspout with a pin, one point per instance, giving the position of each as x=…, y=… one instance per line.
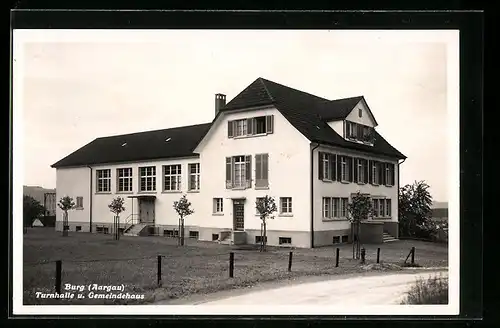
x=399, y=173
x=312, y=194
x=90, y=199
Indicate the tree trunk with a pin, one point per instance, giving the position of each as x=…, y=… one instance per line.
x=179, y=233
x=261, y=236
x=65, y=224
x=118, y=227
x=358, y=251
x=265, y=237
x=353, y=241
x=183, y=234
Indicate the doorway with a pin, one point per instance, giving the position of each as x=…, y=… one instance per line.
x=146, y=211
x=238, y=215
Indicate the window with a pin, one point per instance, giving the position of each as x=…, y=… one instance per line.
x=345, y=239
x=172, y=178
x=240, y=128
x=258, y=239
x=359, y=132
x=124, y=179
x=78, y=228
x=99, y=229
x=343, y=207
x=361, y=171
x=286, y=205
x=344, y=168
x=285, y=240
x=327, y=206
x=194, y=176
x=147, y=176
x=389, y=174
x=388, y=208
x=261, y=171
x=171, y=233
x=336, y=207
x=381, y=212
x=375, y=173
x=218, y=206
x=360, y=112
x=103, y=180
x=251, y=126
x=215, y=236
x=258, y=199
x=326, y=166
x=336, y=239
x=194, y=234
x=79, y=202
x=376, y=208
x=238, y=172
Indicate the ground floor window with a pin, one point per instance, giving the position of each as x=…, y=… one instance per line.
x=285, y=240
x=215, y=236
x=194, y=234
x=171, y=233
x=258, y=239
x=78, y=228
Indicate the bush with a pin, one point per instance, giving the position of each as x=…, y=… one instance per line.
x=434, y=290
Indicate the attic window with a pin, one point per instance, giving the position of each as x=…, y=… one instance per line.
x=360, y=112
x=124, y=144
x=168, y=139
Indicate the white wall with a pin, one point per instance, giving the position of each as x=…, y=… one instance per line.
x=365, y=119
x=339, y=189
x=289, y=163
x=73, y=182
x=337, y=126
x=164, y=212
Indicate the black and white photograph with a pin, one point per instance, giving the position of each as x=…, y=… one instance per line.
x=236, y=172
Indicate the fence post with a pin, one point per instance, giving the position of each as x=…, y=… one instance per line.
x=337, y=258
x=290, y=262
x=159, y=270
x=413, y=255
x=58, y=276
x=378, y=255
x=231, y=265
x=363, y=252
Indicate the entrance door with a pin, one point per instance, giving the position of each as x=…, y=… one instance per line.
x=146, y=211
x=238, y=216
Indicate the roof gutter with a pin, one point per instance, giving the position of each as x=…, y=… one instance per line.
x=312, y=194
x=90, y=199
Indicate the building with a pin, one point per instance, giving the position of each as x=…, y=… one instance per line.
x=309, y=153
x=46, y=197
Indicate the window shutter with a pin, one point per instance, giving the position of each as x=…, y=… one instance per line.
x=320, y=166
x=370, y=171
x=265, y=170
x=258, y=168
x=229, y=170
x=248, y=170
x=384, y=165
x=230, y=132
x=366, y=168
x=250, y=126
x=269, y=124
x=339, y=168
x=350, y=164
x=355, y=176
x=392, y=174
x=333, y=164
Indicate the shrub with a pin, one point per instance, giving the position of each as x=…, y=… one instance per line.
x=433, y=290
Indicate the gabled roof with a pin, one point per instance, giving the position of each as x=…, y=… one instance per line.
x=308, y=113
x=140, y=146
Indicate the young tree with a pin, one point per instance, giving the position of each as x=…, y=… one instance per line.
x=32, y=209
x=116, y=207
x=65, y=204
x=183, y=209
x=360, y=209
x=265, y=207
x=414, y=204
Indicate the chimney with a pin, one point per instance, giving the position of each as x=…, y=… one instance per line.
x=220, y=101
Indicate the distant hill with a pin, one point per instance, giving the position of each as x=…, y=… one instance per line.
x=36, y=192
x=439, y=204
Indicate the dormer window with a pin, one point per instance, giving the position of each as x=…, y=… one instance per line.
x=359, y=132
x=248, y=127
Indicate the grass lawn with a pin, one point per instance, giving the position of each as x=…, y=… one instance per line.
x=198, y=267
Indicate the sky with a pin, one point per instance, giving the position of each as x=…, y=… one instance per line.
x=75, y=86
